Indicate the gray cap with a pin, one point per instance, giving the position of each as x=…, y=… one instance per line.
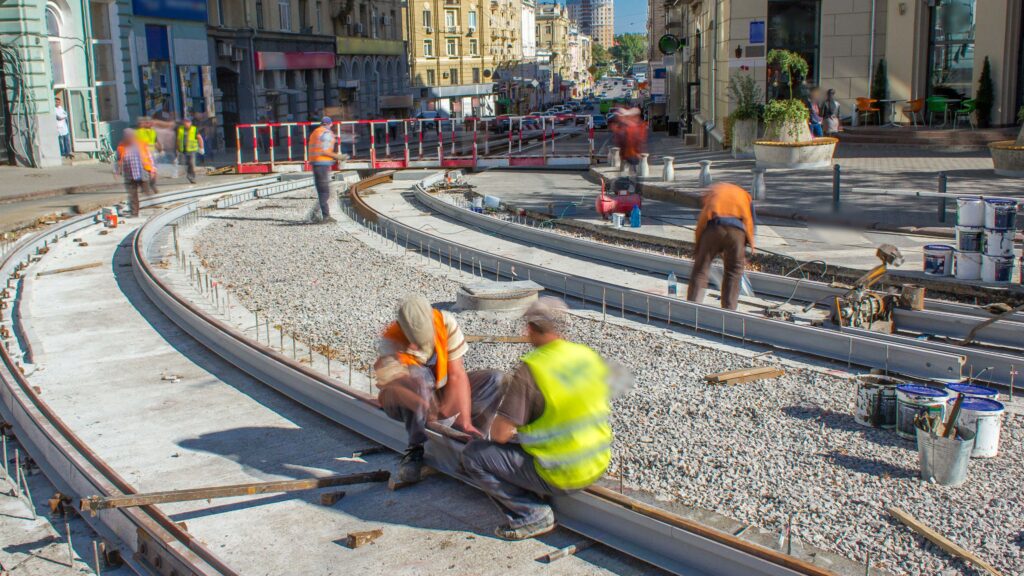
x=548, y=314
x=326, y=120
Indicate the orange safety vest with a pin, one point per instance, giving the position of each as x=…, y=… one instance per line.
x=315, y=152
x=144, y=157
x=395, y=334
x=727, y=200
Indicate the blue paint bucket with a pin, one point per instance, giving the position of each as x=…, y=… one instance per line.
x=938, y=260
x=1000, y=213
x=914, y=399
x=972, y=391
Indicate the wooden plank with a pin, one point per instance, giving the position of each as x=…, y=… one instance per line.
x=744, y=375
x=941, y=541
x=357, y=539
x=70, y=269
x=497, y=339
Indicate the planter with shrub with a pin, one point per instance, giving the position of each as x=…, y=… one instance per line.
x=746, y=95
x=1008, y=155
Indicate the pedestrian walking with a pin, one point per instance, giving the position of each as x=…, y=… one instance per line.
x=321, y=154
x=146, y=134
x=830, y=108
x=189, y=143
x=63, y=129
x=725, y=226
x=135, y=165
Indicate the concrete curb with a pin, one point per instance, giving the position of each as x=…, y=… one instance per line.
x=66, y=191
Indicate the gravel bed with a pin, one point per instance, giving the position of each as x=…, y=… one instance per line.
x=763, y=453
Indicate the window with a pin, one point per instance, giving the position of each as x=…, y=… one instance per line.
x=56, y=52
x=472, y=19
x=474, y=47
x=450, y=20
x=453, y=48
x=104, y=62
x=316, y=17
x=453, y=73
x=431, y=78
x=259, y=14
x=793, y=25
x=391, y=27
x=476, y=75
x=428, y=48
x=951, y=49
x=303, y=16
x=374, y=24
x=284, y=14
x=427, y=19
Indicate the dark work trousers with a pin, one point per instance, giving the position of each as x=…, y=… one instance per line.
x=322, y=180
x=135, y=188
x=728, y=242
x=485, y=388
x=190, y=164
x=508, y=475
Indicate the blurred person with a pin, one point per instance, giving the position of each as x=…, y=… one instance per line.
x=725, y=227
x=321, y=154
x=830, y=110
x=422, y=378
x=813, y=104
x=135, y=165
x=63, y=128
x=630, y=134
x=146, y=134
x=189, y=143
x=551, y=434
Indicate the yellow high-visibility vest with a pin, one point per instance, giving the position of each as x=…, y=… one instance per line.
x=191, y=143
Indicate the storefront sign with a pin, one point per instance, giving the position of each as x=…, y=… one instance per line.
x=194, y=10
x=294, y=60
x=757, y=32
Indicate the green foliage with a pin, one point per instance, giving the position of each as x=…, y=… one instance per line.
x=629, y=49
x=790, y=63
x=601, y=58
x=1020, y=115
x=791, y=113
x=880, y=82
x=985, y=97
x=747, y=96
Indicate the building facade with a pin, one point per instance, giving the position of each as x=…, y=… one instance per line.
x=595, y=18
x=580, y=60
x=930, y=48
x=553, y=56
x=372, y=65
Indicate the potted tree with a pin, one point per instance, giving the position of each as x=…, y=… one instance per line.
x=746, y=97
x=788, y=142
x=1008, y=155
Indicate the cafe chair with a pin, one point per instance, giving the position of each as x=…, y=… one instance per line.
x=914, y=109
x=967, y=107
x=866, y=107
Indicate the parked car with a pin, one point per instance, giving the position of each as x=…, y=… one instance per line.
x=600, y=122
x=431, y=117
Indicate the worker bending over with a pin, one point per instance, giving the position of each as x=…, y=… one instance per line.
x=557, y=402
x=422, y=378
x=725, y=227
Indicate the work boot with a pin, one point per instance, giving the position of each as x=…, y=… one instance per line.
x=328, y=220
x=531, y=530
x=411, y=467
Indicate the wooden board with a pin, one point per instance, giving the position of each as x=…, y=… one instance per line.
x=941, y=541
x=744, y=375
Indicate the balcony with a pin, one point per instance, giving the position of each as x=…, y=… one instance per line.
x=369, y=46
x=453, y=29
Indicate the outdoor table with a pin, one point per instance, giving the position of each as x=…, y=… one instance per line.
x=892, y=110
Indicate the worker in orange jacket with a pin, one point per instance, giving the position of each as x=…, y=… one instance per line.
x=135, y=165
x=321, y=155
x=725, y=228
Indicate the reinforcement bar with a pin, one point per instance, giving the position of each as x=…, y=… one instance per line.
x=661, y=538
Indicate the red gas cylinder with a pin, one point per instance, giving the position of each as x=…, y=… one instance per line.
x=624, y=204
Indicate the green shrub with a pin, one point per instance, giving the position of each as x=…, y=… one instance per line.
x=1020, y=115
x=880, y=82
x=790, y=63
x=985, y=97
x=747, y=96
x=790, y=113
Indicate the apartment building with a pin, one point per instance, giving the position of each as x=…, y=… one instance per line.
x=456, y=48
x=580, y=60
x=596, y=18
x=553, y=56
x=372, y=64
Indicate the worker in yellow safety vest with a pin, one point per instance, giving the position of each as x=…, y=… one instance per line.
x=146, y=134
x=189, y=143
x=321, y=155
x=557, y=403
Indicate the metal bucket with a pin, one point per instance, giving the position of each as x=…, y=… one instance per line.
x=944, y=460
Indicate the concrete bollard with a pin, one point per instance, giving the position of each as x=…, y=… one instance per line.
x=705, y=172
x=757, y=188
x=644, y=169
x=668, y=170
x=614, y=159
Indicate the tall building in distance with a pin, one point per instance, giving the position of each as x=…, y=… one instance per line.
x=595, y=18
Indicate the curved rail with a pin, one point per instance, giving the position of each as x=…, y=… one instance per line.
x=656, y=536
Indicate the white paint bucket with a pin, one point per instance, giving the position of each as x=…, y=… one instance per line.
x=875, y=401
x=913, y=399
x=970, y=211
x=972, y=391
x=938, y=260
x=492, y=202
x=984, y=417
x=996, y=268
x=968, y=265
x=617, y=220
x=969, y=238
x=998, y=242
x=1000, y=213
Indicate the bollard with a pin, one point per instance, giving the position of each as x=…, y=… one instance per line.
x=757, y=187
x=614, y=159
x=705, y=172
x=943, y=180
x=836, y=175
x=644, y=169
x=668, y=170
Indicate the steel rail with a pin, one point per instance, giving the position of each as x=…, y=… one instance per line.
x=146, y=538
x=658, y=537
x=943, y=322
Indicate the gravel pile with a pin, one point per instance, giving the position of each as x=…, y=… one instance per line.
x=762, y=453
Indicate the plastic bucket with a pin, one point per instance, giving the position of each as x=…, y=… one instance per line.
x=969, y=238
x=914, y=399
x=944, y=460
x=938, y=260
x=970, y=211
x=998, y=242
x=972, y=391
x=983, y=417
x=875, y=401
x=617, y=220
x=1000, y=213
x=492, y=202
x=478, y=204
x=996, y=268
x=968, y=265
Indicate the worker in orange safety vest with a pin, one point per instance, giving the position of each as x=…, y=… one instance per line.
x=725, y=227
x=135, y=164
x=320, y=153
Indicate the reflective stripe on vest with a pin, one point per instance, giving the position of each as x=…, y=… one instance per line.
x=192, y=143
x=316, y=151
x=571, y=440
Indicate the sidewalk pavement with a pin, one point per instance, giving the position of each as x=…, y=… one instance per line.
x=807, y=194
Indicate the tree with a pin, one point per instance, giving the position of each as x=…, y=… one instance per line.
x=985, y=96
x=880, y=83
x=601, y=59
x=629, y=49
x=791, y=64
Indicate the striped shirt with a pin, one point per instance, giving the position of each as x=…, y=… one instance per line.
x=130, y=165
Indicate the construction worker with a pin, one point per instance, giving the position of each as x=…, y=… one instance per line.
x=557, y=403
x=422, y=378
x=725, y=227
x=147, y=135
x=322, y=156
x=189, y=143
x=135, y=165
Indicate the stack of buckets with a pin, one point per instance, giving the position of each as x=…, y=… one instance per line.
x=984, y=242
